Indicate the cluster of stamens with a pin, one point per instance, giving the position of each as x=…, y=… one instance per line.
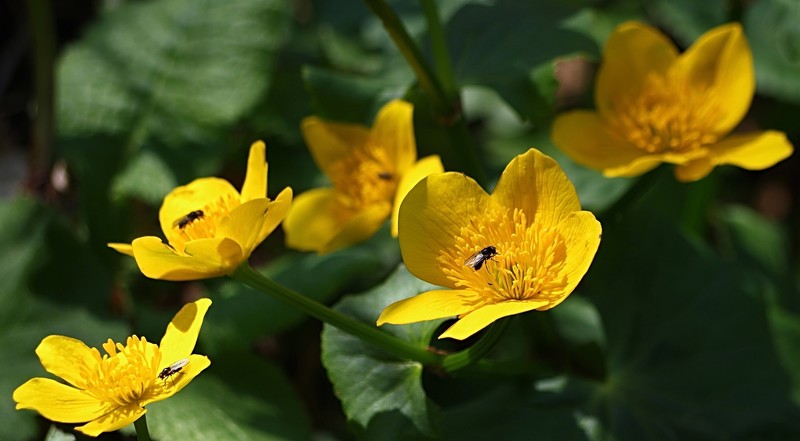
x=529, y=264
x=205, y=226
x=365, y=177
x=126, y=375
x=667, y=114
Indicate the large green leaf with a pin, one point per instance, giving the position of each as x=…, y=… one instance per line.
x=380, y=393
x=501, y=47
x=169, y=76
x=771, y=28
x=239, y=397
x=690, y=353
x=688, y=19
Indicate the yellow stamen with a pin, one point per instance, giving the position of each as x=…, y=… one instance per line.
x=668, y=114
x=206, y=226
x=528, y=265
x=364, y=177
x=127, y=374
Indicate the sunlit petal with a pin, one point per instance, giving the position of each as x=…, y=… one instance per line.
x=181, y=334
x=67, y=357
x=424, y=167
x=189, y=198
x=430, y=305
x=393, y=131
x=255, y=180
x=330, y=142
x=58, y=402
x=203, y=259
x=480, y=318
x=114, y=420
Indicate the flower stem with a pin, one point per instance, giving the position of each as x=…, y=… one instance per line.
x=142, y=434
x=471, y=355
x=401, y=348
x=441, y=55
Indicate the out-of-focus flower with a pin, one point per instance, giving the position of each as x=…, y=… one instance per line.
x=211, y=228
x=371, y=171
x=655, y=105
x=525, y=247
x=110, y=391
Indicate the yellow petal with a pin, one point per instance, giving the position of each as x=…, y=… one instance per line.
x=424, y=167
x=581, y=233
x=632, y=52
x=536, y=184
x=329, y=142
x=313, y=220
x=430, y=305
x=276, y=213
x=115, y=420
x=197, y=364
x=393, y=131
x=484, y=316
x=188, y=198
x=67, y=358
x=721, y=62
x=181, y=335
x=205, y=258
x=431, y=217
x=124, y=248
x=752, y=151
x=58, y=402
x=244, y=223
x=585, y=137
x=693, y=170
x=359, y=228
x=255, y=180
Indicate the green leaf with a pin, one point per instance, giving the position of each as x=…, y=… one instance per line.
x=239, y=397
x=771, y=28
x=170, y=74
x=147, y=177
x=242, y=314
x=344, y=97
x=688, y=19
x=503, y=45
x=690, y=353
x=380, y=393
x=754, y=240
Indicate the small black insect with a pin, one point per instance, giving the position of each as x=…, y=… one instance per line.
x=172, y=369
x=189, y=218
x=386, y=176
x=477, y=260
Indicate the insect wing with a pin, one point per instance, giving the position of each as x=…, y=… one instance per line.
x=178, y=365
x=475, y=261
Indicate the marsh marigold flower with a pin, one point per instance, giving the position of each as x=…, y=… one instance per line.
x=371, y=171
x=109, y=392
x=655, y=105
x=211, y=228
x=542, y=244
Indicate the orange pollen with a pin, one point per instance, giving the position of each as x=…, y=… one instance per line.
x=127, y=374
x=365, y=177
x=668, y=114
x=205, y=226
x=529, y=265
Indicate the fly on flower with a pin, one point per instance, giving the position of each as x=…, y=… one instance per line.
x=189, y=218
x=477, y=260
x=172, y=369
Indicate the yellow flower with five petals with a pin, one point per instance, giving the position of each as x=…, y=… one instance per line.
x=109, y=392
x=655, y=105
x=371, y=171
x=542, y=244
x=211, y=228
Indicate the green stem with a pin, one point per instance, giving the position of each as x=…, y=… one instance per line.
x=441, y=56
x=368, y=333
x=412, y=55
x=471, y=355
x=40, y=19
x=142, y=434
x=635, y=193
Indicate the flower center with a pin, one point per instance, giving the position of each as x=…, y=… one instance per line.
x=365, y=177
x=202, y=223
x=669, y=114
x=127, y=374
x=529, y=262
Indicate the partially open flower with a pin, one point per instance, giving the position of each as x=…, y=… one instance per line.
x=525, y=247
x=655, y=105
x=211, y=228
x=110, y=391
x=371, y=171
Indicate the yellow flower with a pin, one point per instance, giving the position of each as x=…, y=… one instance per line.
x=371, y=171
x=211, y=228
x=543, y=242
x=655, y=105
x=110, y=391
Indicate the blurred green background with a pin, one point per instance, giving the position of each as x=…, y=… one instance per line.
x=687, y=326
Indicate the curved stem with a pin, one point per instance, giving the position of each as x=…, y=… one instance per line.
x=368, y=333
x=471, y=355
x=441, y=55
x=142, y=434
